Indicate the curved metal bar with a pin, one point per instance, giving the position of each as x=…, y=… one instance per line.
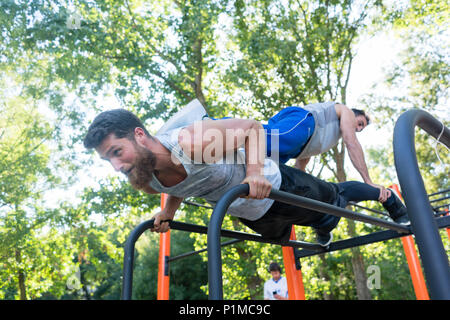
x=214, y=253
x=128, y=258
x=218, y=214
x=434, y=258
x=128, y=261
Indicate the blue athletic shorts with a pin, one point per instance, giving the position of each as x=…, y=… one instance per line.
x=288, y=132
x=290, y=129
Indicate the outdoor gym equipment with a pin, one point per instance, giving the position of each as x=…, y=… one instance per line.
x=424, y=223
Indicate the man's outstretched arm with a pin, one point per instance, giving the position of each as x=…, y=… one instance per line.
x=355, y=151
x=210, y=141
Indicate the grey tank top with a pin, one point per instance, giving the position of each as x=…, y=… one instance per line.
x=211, y=181
x=327, y=130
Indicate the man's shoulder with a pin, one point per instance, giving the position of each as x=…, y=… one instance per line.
x=340, y=108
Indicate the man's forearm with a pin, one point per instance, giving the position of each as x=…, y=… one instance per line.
x=356, y=155
x=172, y=204
x=255, y=149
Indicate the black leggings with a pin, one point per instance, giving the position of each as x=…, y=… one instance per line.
x=357, y=191
x=276, y=224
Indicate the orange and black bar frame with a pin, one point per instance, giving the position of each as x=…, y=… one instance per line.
x=163, y=261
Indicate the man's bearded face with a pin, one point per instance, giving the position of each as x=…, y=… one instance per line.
x=141, y=173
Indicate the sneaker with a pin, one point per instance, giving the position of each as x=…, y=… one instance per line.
x=324, y=239
x=397, y=210
x=403, y=220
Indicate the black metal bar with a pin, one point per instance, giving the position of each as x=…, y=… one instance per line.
x=128, y=258
x=241, y=235
x=368, y=209
x=191, y=253
x=355, y=242
x=440, y=199
x=333, y=210
x=214, y=255
x=441, y=206
x=195, y=204
x=127, y=281
x=218, y=214
x=442, y=222
x=438, y=192
x=434, y=258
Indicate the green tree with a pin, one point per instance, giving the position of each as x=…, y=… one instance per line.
x=153, y=54
x=34, y=255
x=187, y=275
x=157, y=54
x=298, y=53
x=419, y=80
x=248, y=58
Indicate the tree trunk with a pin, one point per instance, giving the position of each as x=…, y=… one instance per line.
x=359, y=271
x=197, y=85
x=324, y=275
x=253, y=282
x=362, y=291
x=22, y=288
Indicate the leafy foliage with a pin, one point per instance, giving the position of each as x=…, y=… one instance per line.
x=244, y=58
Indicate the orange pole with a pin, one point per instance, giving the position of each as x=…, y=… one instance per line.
x=415, y=269
x=294, y=277
x=164, y=254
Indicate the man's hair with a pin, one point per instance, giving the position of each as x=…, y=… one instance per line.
x=120, y=122
x=359, y=112
x=274, y=267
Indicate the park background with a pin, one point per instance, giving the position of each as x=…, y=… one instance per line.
x=65, y=214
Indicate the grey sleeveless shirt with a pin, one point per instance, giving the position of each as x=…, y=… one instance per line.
x=211, y=181
x=327, y=130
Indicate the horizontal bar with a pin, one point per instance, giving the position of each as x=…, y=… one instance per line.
x=442, y=222
x=242, y=235
x=191, y=253
x=326, y=208
x=195, y=204
x=369, y=209
x=440, y=199
x=439, y=192
x=441, y=206
x=354, y=242
x=175, y=225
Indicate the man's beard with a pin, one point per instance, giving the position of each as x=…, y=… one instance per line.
x=142, y=173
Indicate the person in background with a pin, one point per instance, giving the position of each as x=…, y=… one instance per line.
x=276, y=287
